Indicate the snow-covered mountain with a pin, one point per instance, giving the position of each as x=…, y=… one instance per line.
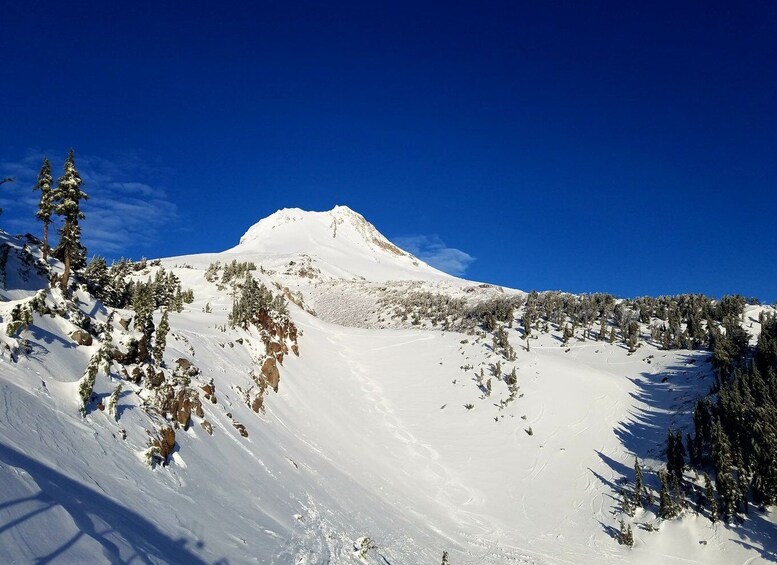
x=341, y=242
x=385, y=410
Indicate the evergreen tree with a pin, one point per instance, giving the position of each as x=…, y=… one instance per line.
x=626, y=503
x=694, y=456
x=667, y=508
x=632, y=336
x=725, y=483
x=98, y=278
x=675, y=454
x=46, y=203
x=567, y=334
x=161, y=338
x=639, y=485
x=710, y=495
x=626, y=536
x=86, y=384
x=67, y=198
x=142, y=304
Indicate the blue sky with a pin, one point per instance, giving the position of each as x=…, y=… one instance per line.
x=583, y=146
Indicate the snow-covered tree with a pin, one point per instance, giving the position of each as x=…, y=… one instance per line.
x=86, y=384
x=46, y=203
x=363, y=546
x=142, y=304
x=98, y=278
x=161, y=338
x=113, y=402
x=67, y=198
x=626, y=535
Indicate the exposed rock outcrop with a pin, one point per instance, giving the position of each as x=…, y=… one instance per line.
x=270, y=373
x=165, y=441
x=179, y=404
x=81, y=337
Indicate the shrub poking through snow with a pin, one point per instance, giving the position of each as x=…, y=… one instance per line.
x=363, y=546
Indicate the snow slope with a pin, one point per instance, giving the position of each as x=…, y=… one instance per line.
x=368, y=434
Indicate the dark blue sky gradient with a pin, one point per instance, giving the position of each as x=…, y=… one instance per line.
x=583, y=146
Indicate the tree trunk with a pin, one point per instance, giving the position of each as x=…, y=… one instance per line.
x=65, y=273
x=45, y=242
x=66, y=249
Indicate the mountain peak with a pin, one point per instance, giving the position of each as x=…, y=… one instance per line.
x=296, y=222
x=340, y=238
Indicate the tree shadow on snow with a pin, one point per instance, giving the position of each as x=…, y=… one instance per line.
x=39, y=334
x=611, y=531
x=663, y=400
x=667, y=400
x=120, y=408
x=757, y=528
x=84, y=505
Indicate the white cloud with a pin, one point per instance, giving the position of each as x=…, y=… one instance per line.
x=431, y=249
x=124, y=211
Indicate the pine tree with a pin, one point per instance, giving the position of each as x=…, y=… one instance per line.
x=567, y=334
x=67, y=198
x=46, y=203
x=98, y=278
x=667, y=508
x=142, y=304
x=626, y=536
x=161, y=338
x=725, y=483
x=626, y=503
x=711, y=500
x=675, y=454
x=639, y=485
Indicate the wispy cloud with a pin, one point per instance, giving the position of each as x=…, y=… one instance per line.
x=126, y=210
x=431, y=249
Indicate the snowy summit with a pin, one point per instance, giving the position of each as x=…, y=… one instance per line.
x=341, y=240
